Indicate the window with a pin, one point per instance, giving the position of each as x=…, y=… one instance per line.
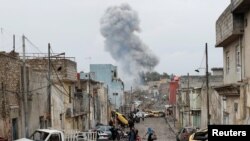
x=38, y=135
x=225, y=118
x=69, y=94
x=54, y=137
x=236, y=107
x=227, y=62
x=41, y=121
x=238, y=59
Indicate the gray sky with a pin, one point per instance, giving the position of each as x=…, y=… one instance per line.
x=175, y=30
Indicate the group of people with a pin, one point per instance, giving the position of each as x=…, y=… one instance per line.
x=133, y=134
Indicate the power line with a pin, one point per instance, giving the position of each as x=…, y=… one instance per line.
x=58, y=76
x=56, y=86
x=35, y=46
x=202, y=59
x=28, y=91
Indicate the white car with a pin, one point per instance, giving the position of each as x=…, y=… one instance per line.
x=140, y=113
x=102, y=136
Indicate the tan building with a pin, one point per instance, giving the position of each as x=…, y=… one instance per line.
x=63, y=78
x=233, y=34
x=11, y=106
x=95, y=106
x=192, y=99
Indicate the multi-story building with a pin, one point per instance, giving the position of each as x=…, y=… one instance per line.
x=192, y=101
x=233, y=35
x=63, y=76
x=95, y=100
x=108, y=74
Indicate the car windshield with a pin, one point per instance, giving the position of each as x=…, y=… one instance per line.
x=39, y=136
x=104, y=128
x=190, y=130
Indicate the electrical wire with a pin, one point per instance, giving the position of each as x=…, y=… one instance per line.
x=58, y=76
x=31, y=43
x=202, y=59
x=10, y=91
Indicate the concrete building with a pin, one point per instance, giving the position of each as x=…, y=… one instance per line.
x=63, y=79
x=108, y=74
x=96, y=102
x=192, y=99
x=233, y=34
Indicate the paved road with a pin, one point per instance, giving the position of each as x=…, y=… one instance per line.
x=163, y=131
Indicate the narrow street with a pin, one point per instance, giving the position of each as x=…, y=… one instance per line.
x=163, y=131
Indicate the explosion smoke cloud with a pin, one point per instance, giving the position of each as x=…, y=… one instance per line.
x=118, y=27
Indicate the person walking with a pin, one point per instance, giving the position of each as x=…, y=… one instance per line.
x=113, y=133
x=131, y=123
x=150, y=132
x=142, y=116
x=132, y=135
x=138, y=138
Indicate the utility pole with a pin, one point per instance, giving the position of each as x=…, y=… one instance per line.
x=108, y=101
x=89, y=97
x=49, y=87
x=131, y=98
x=207, y=85
x=14, y=43
x=188, y=100
x=25, y=91
x=131, y=91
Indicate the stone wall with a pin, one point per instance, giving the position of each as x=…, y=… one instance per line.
x=60, y=68
x=10, y=94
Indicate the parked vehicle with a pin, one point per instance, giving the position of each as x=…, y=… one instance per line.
x=140, y=113
x=102, y=136
x=184, y=133
x=201, y=135
x=57, y=135
x=105, y=129
x=158, y=114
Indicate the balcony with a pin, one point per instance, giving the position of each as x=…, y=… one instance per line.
x=228, y=90
x=240, y=6
x=229, y=27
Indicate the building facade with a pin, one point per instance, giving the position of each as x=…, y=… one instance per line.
x=11, y=105
x=192, y=99
x=108, y=74
x=232, y=34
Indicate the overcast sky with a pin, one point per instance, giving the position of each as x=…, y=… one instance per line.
x=175, y=30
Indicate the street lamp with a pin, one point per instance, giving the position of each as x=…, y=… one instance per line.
x=198, y=70
x=207, y=85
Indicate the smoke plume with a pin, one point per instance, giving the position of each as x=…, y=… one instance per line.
x=118, y=27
